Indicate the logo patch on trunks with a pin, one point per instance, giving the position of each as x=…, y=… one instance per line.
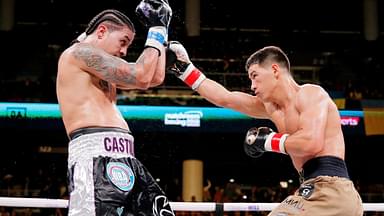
x=120, y=175
x=306, y=190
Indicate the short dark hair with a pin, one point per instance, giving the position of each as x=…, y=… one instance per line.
x=268, y=53
x=110, y=15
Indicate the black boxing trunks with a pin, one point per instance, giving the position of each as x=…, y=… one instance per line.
x=324, y=166
x=325, y=190
x=104, y=177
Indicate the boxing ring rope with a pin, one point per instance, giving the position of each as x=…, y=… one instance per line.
x=177, y=206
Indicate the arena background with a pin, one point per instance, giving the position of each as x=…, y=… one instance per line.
x=337, y=44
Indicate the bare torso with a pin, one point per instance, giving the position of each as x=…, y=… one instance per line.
x=288, y=121
x=86, y=100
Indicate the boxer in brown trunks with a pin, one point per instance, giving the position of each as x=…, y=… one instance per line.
x=308, y=124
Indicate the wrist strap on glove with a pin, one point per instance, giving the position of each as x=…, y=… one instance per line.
x=192, y=77
x=156, y=38
x=276, y=142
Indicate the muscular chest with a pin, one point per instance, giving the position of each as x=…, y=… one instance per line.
x=286, y=121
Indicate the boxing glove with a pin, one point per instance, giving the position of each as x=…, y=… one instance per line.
x=156, y=15
x=178, y=63
x=259, y=140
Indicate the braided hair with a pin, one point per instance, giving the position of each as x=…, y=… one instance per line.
x=111, y=16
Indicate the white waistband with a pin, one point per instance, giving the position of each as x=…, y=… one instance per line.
x=110, y=144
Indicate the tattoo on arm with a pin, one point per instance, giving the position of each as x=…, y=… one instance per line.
x=106, y=67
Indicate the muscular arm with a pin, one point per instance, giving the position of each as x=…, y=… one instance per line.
x=159, y=75
x=309, y=139
x=183, y=68
x=239, y=101
x=114, y=69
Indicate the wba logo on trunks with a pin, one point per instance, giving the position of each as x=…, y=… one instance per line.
x=120, y=175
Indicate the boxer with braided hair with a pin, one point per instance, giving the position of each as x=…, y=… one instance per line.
x=104, y=177
x=111, y=18
x=308, y=124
